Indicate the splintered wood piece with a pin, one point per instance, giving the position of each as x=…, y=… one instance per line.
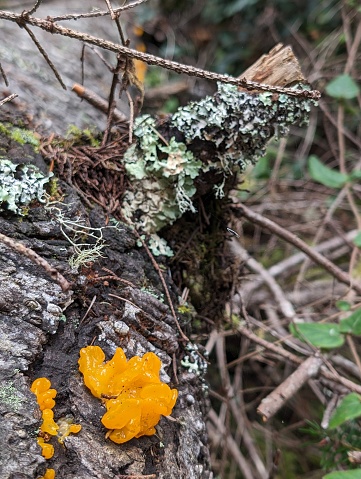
x=279, y=67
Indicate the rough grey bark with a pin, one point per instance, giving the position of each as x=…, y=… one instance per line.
x=42, y=331
x=40, y=94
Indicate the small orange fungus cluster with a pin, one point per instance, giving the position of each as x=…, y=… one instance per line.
x=45, y=398
x=49, y=474
x=134, y=396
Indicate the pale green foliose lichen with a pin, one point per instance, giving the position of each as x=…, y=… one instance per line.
x=19, y=185
x=157, y=245
x=162, y=177
x=237, y=124
x=240, y=124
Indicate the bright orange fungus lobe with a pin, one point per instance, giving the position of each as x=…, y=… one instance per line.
x=49, y=474
x=49, y=425
x=45, y=396
x=47, y=450
x=134, y=395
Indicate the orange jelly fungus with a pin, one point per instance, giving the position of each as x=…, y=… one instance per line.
x=47, y=450
x=45, y=396
x=49, y=425
x=49, y=474
x=134, y=396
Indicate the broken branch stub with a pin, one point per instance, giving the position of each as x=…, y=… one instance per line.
x=285, y=391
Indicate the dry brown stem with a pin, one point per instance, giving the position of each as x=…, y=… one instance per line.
x=8, y=98
x=97, y=101
x=54, y=28
x=298, y=243
x=274, y=401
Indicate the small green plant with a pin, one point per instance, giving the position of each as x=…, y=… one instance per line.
x=343, y=433
x=88, y=135
x=334, y=444
x=328, y=335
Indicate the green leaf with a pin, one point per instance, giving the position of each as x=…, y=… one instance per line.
x=343, y=305
x=320, y=335
x=262, y=168
x=343, y=87
x=355, y=175
x=357, y=240
x=343, y=475
x=352, y=324
x=350, y=408
x=325, y=175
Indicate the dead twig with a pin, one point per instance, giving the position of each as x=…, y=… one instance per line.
x=298, y=243
x=285, y=306
x=169, y=299
x=76, y=16
x=350, y=385
x=3, y=74
x=54, y=28
x=137, y=476
x=44, y=54
x=97, y=102
x=219, y=430
x=35, y=7
x=274, y=401
x=88, y=310
x=8, y=98
x=38, y=260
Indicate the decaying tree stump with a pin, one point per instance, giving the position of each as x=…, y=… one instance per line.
x=117, y=300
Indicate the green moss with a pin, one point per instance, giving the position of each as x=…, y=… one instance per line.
x=184, y=309
x=88, y=135
x=53, y=187
x=20, y=135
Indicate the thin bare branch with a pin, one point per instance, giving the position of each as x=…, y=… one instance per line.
x=76, y=16
x=45, y=55
x=231, y=445
x=161, y=277
x=35, y=7
x=274, y=401
x=3, y=74
x=284, y=305
x=111, y=11
x=38, y=260
x=298, y=243
x=8, y=98
x=97, y=102
x=152, y=59
x=326, y=373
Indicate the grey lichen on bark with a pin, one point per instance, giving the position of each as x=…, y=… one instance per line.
x=235, y=125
